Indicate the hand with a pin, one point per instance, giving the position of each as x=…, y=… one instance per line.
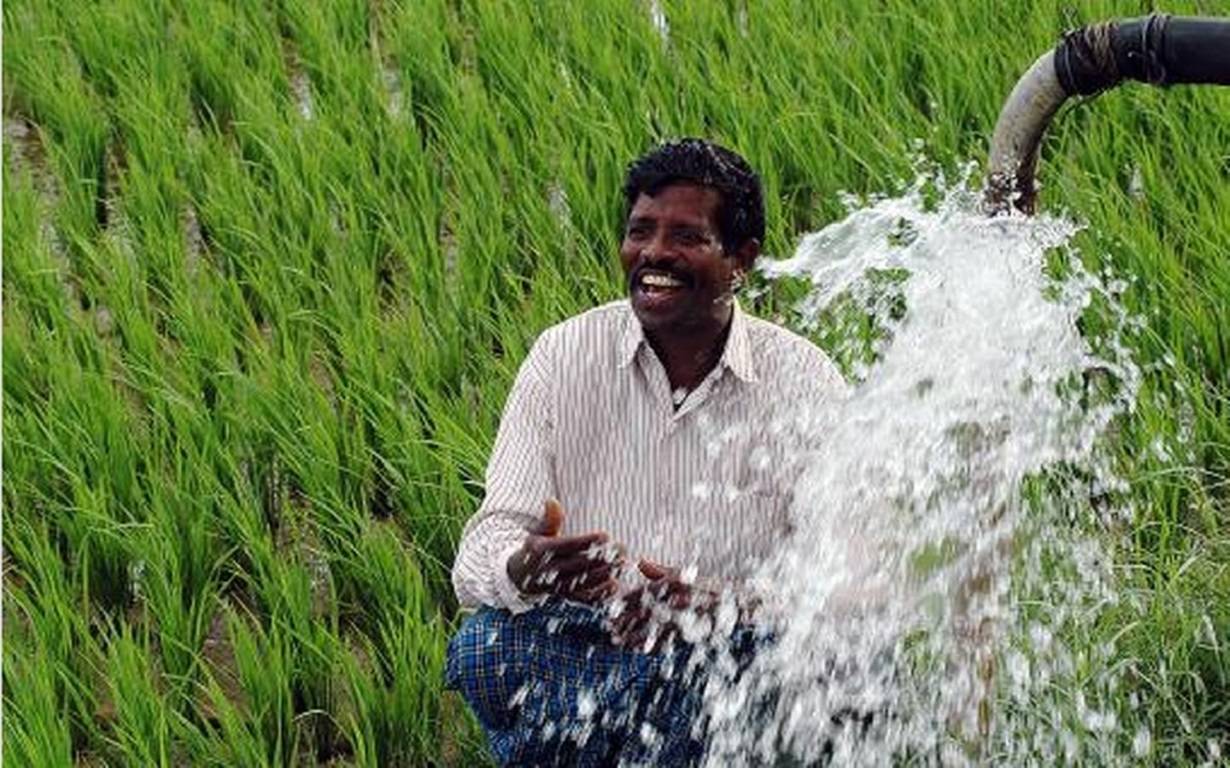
x=582, y=567
x=648, y=618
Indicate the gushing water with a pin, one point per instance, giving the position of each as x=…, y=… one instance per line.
x=945, y=548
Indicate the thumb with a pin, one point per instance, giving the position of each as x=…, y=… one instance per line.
x=553, y=518
x=653, y=571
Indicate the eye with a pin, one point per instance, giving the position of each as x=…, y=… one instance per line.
x=637, y=231
x=691, y=237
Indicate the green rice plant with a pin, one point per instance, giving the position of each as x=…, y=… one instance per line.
x=262, y=732
x=270, y=269
x=396, y=692
x=38, y=733
x=45, y=77
x=142, y=728
x=50, y=654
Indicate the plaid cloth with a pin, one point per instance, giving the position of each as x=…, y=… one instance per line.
x=549, y=688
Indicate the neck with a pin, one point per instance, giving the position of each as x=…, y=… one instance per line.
x=690, y=355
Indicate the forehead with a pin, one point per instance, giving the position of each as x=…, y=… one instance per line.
x=680, y=204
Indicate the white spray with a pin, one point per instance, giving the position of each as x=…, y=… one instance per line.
x=944, y=541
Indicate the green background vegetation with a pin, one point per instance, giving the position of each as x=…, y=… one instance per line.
x=269, y=268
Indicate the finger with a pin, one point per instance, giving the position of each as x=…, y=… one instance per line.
x=631, y=636
x=654, y=571
x=547, y=572
x=610, y=552
x=541, y=581
x=572, y=565
x=567, y=545
x=671, y=592
x=621, y=615
x=581, y=581
x=633, y=639
x=562, y=576
x=637, y=639
x=552, y=518
x=665, y=636
x=631, y=621
x=678, y=598
x=631, y=600
x=596, y=594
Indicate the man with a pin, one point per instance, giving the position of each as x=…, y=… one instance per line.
x=642, y=469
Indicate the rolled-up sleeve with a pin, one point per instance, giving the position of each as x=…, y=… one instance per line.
x=519, y=478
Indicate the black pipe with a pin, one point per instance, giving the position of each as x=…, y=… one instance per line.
x=1157, y=49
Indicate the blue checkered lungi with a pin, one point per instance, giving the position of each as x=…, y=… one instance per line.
x=549, y=688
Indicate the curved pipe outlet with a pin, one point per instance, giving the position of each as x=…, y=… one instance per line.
x=1157, y=49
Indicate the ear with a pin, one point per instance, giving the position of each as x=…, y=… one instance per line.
x=746, y=254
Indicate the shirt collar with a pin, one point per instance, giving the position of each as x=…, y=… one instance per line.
x=737, y=356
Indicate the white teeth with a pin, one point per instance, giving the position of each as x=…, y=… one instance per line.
x=660, y=281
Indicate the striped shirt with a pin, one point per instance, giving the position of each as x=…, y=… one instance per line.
x=700, y=480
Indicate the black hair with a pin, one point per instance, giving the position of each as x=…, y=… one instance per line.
x=701, y=162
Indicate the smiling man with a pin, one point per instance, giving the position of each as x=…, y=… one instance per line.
x=643, y=468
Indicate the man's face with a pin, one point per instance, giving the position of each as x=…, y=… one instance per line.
x=678, y=273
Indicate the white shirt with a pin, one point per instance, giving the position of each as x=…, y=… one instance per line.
x=705, y=486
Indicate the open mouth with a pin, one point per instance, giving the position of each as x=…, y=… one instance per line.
x=654, y=282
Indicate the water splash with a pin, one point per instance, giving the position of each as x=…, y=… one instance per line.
x=658, y=16
x=945, y=547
